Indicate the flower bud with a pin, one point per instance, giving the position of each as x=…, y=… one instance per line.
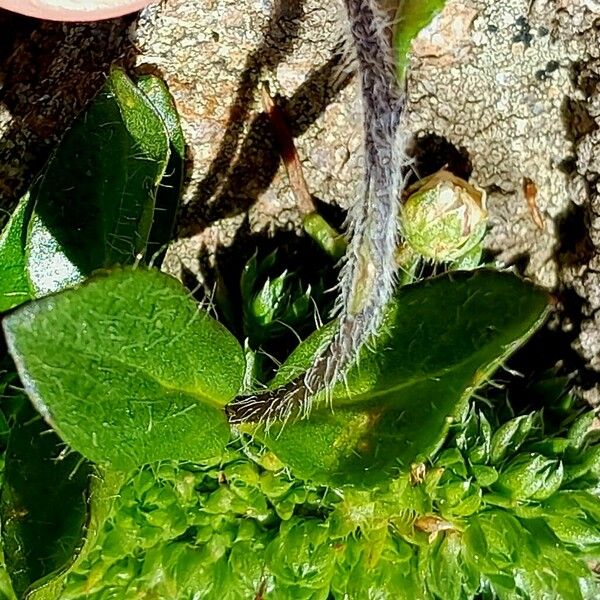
x=444, y=217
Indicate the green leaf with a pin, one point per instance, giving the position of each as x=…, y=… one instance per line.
x=506, y=542
x=396, y=406
x=446, y=569
x=93, y=204
x=14, y=286
x=158, y=93
x=484, y=475
x=43, y=501
x=531, y=476
x=574, y=516
x=127, y=369
x=169, y=191
x=411, y=17
x=301, y=552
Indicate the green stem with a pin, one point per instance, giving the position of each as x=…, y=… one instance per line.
x=329, y=239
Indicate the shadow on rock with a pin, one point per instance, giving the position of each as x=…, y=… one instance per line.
x=48, y=72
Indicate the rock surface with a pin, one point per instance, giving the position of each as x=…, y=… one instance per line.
x=507, y=92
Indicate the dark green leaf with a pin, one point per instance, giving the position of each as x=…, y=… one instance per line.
x=272, y=304
x=43, y=501
x=14, y=286
x=93, y=204
x=397, y=405
x=169, y=191
x=127, y=369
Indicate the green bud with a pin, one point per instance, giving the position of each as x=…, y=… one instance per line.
x=444, y=217
x=475, y=438
x=579, y=430
x=510, y=436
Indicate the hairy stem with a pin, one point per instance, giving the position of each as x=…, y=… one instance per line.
x=367, y=277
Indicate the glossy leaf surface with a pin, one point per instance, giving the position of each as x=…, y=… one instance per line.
x=93, y=204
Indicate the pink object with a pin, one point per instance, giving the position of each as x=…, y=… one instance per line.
x=74, y=10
